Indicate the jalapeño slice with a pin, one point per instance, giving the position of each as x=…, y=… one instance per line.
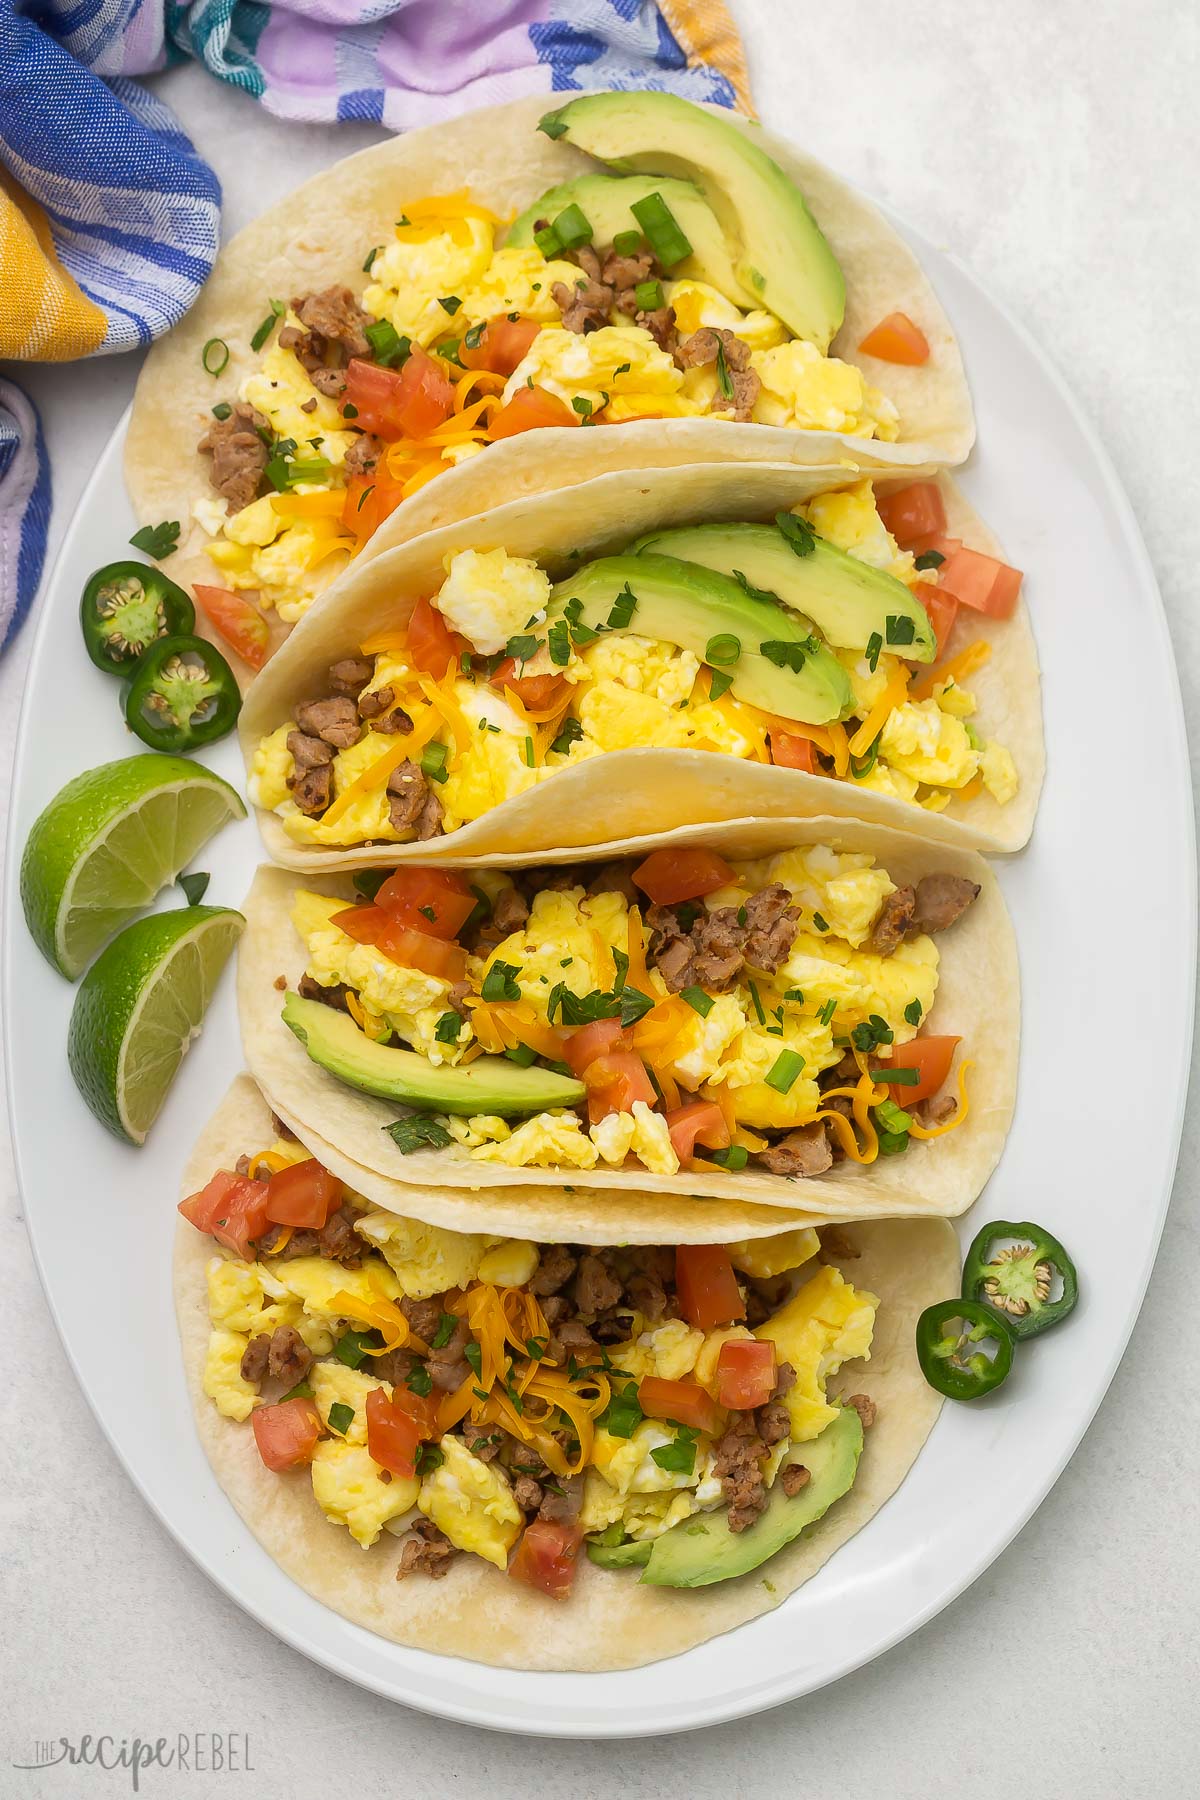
x=182, y=695
x=125, y=607
x=950, y=1348
x=1016, y=1279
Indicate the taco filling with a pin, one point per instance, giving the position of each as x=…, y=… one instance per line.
x=813, y=643
x=664, y=1407
x=682, y=1013
x=709, y=293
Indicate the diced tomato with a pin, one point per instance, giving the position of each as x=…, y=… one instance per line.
x=233, y=618
x=395, y=403
x=745, y=1373
x=942, y=609
x=435, y=902
x=393, y=1433
x=791, y=752
x=411, y=949
x=304, y=1195
x=931, y=1057
x=546, y=1555
x=683, y=1402
x=422, y=1409
x=912, y=512
x=707, y=1286
x=537, y=692
x=530, y=409
x=432, y=646
x=587, y=1042
x=700, y=1122
x=370, y=499
x=897, y=340
x=982, y=582
x=232, y=1209
x=614, y=1082
x=286, y=1433
x=502, y=346
x=667, y=876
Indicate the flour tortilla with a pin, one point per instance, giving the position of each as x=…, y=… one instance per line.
x=321, y=234
x=625, y=796
x=610, y=1621
x=978, y=999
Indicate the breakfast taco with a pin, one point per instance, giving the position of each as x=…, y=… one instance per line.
x=483, y=283
x=653, y=649
x=534, y=1453
x=815, y=1014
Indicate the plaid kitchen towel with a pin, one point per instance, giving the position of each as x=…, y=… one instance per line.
x=109, y=220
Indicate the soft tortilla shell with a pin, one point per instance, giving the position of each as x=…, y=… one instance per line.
x=978, y=999
x=319, y=235
x=611, y=1621
x=658, y=789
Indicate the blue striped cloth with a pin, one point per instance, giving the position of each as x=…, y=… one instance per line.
x=109, y=220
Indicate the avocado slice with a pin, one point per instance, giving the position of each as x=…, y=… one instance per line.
x=490, y=1084
x=687, y=605
x=620, y=1556
x=606, y=202
x=847, y=600
x=778, y=250
x=702, y=1550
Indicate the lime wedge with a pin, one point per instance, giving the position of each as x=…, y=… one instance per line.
x=139, y=1007
x=108, y=842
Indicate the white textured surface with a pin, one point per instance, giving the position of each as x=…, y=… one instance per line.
x=1054, y=149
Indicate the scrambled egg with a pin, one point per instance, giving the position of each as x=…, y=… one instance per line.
x=641, y=665
x=350, y=1490
x=926, y=744
x=280, y=387
x=437, y=258
x=641, y=1133
x=489, y=596
x=755, y=1055
x=843, y=887
x=697, y=1050
x=233, y=1397
x=314, y=1280
x=406, y=1001
x=696, y=305
x=334, y=1384
x=766, y=1257
x=550, y=1140
x=850, y=521
x=288, y=563
x=825, y=1324
x=810, y=392
x=472, y=1503
x=493, y=767
x=425, y=1259
x=568, y=938
x=518, y=280
x=998, y=770
x=619, y=370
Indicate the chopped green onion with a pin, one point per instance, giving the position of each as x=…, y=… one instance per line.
x=433, y=761
x=500, y=982
x=661, y=229
x=892, y=1117
x=898, y=1077
x=548, y=242
x=371, y=255
x=268, y=325
x=428, y=1458
x=827, y=1011
x=784, y=1071
x=799, y=533
x=369, y=881
x=649, y=295
x=222, y=410
x=349, y=410
x=352, y=1348
x=572, y=228
x=678, y=1457
x=301, y=1391
x=528, y=753
x=891, y=1143
x=756, y=999
x=419, y=1381
x=386, y=342
x=582, y=405
x=416, y=1131
x=724, y=379
x=341, y=1417
x=698, y=1000
x=623, y=1414
x=723, y=649
x=736, y=1156
x=820, y=921
x=627, y=243
x=214, y=355
x=521, y=1054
